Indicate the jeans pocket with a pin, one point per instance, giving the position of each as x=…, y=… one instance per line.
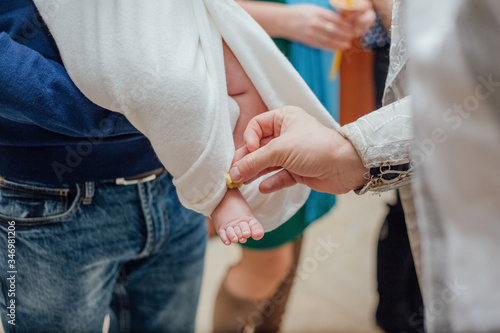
x=31, y=205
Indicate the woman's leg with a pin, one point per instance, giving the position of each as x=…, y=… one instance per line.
x=255, y=291
x=248, y=280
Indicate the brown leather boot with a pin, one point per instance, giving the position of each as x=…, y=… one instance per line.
x=275, y=307
x=237, y=315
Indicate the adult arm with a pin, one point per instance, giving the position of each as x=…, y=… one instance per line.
x=384, y=10
x=383, y=140
x=309, y=24
x=373, y=153
x=38, y=91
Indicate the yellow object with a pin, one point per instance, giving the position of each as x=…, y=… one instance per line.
x=230, y=184
x=343, y=5
x=336, y=65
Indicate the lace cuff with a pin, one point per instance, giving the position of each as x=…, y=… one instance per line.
x=383, y=141
x=387, y=178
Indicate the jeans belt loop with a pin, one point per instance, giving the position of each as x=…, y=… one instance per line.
x=89, y=193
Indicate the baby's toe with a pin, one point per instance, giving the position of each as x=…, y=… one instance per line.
x=237, y=231
x=257, y=229
x=223, y=237
x=245, y=229
x=231, y=235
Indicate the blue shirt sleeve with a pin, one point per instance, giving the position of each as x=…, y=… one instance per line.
x=38, y=91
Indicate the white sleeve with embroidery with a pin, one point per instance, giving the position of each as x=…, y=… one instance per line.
x=383, y=139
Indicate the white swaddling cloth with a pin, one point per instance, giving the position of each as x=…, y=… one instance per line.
x=161, y=64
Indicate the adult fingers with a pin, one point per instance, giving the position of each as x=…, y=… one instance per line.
x=262, y=173
x=267, y=124
x=341, y=38
x=253, y=164
x=334, y=44
x=266, y=140
x=336, y=27
x=279, y=181
x=240, y=153
x=363, y=21
x=243, y=151
x=336, y=19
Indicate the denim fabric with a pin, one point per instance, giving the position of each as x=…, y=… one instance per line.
x=87, y=250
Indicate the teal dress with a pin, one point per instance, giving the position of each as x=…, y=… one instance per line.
x=314, y=67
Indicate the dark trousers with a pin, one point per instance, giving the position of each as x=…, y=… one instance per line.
x=400, y=307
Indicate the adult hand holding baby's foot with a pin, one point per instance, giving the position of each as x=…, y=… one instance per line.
x=234, y=221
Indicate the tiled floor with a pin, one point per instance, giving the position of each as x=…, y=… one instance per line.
x=334, y=293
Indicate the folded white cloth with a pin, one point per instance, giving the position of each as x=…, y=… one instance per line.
x=161, y=64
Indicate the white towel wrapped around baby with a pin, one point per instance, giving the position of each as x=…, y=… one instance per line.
x=161, y=64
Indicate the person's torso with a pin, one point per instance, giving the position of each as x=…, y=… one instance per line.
x=30, y=152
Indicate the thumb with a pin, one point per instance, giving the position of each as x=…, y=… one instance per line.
x=252, y=164
x=277, y=182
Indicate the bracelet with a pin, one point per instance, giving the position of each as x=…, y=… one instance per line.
x=230, y=184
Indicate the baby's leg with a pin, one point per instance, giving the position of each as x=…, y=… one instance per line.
x=233, y=218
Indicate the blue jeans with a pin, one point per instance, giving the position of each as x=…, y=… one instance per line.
x=85, y=251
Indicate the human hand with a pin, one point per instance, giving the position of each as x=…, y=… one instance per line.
x=308, y=152
x=361, y=20
x=318, y=27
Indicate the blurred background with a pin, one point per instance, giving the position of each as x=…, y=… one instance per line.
x=333, y=292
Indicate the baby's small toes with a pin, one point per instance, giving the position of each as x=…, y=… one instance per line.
x=257, y=229
x=245, y=229
x=243, y=240
x=223, y=237
x=238, y=232
x=231, y=235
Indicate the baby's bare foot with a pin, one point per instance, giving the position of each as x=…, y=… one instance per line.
x=234, y=221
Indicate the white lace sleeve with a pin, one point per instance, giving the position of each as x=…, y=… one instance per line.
x=383, y=141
